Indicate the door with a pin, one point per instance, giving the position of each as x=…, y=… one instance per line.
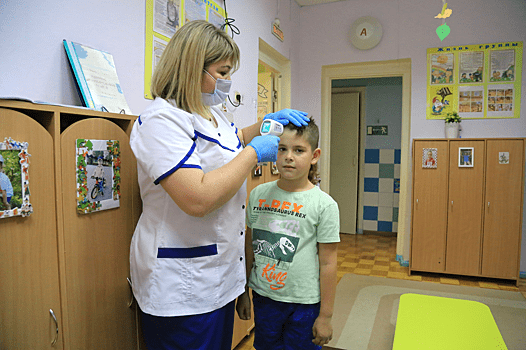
x=502, y=206
x=430, y=183
x=345, y=128
x=97, y=248
x=29, y=287
x=464, y=229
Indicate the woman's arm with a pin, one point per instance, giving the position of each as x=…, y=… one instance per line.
x=198, y=194
x=328, y=256
x=247, y=134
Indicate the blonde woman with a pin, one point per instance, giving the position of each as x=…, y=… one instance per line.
x=187, y=253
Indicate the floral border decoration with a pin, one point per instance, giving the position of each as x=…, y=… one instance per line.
x=26, y=209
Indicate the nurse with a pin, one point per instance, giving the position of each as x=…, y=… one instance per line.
x=187, y=255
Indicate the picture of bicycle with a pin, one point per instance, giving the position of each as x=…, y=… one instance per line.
x=98, y=188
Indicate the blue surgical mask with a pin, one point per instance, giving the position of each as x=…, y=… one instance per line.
x=220, y=93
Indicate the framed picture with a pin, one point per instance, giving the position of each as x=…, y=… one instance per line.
x=14, y=179
x=429, y=157
x=465, y=157
x=504, y=157
x=98, y=175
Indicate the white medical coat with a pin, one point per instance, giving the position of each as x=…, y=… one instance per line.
x=180, y=264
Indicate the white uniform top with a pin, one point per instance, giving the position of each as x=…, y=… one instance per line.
x=180, y=264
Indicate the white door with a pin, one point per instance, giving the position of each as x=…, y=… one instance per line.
x=345, y=127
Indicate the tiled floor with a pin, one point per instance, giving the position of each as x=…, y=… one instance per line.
x=376, y=256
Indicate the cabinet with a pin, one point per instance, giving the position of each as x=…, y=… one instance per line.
x=56, y=259
x=467, y=212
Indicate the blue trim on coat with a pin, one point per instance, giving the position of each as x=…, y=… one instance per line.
x=180, y=164
x=184, y=253
x=207, y=138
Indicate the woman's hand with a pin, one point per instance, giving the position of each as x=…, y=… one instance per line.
x=266, y=148
x=285, y=116
x=243, y=306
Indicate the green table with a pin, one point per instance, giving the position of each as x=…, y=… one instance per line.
x=429, y=322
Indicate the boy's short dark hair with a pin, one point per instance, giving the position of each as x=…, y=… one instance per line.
x=311, y=133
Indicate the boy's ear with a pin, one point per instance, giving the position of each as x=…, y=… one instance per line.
x=316, y=156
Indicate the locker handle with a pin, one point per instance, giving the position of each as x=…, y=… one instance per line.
x=56, y=325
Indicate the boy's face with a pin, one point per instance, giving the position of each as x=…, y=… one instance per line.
x=295, y=156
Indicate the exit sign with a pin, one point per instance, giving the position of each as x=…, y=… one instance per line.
x=377, y=130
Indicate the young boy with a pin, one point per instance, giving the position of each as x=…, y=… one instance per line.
x=6, y=189
x=293, y=232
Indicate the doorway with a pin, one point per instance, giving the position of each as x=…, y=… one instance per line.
x=377, y=69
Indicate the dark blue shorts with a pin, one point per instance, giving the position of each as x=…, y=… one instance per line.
x=210, y=331
x=283, y=326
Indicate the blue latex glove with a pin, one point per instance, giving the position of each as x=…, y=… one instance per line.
x=266, y=147
x=285, y=116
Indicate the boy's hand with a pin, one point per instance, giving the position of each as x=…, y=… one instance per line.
x=322, y=330
x=243, y=306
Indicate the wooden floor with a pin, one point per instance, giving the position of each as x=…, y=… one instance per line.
x=373, y=255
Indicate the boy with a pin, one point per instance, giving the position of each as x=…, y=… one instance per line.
x=6, y=189
x=293, y=231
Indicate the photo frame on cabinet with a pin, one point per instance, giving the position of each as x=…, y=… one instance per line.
x=465, y=157
x=98, y=175
x=14, y=179
x=429, y=158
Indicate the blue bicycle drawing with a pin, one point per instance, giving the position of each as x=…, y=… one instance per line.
x=100, y=184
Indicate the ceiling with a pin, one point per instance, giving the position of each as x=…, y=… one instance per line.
x=314, y=2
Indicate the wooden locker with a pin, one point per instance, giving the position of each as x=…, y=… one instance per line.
x=429, y=208
x=503, y=208
x=464, y=229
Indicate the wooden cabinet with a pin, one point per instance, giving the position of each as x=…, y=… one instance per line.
x=467, y=207
x=56, y=259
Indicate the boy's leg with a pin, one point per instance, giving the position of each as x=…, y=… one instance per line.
x=270, y=317
x=298, y=329
x=210, y=331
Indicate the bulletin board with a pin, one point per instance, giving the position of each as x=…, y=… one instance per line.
x=163, y=18
x=478, y=81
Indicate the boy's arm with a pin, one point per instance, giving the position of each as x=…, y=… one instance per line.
x=243, y=301
x=328, y=256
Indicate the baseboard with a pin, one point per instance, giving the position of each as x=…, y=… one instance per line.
x=380, y=233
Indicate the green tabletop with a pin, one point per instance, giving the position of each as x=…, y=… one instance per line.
x=429, y=322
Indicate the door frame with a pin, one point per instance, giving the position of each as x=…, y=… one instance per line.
x=375, y=69
x=281, y=64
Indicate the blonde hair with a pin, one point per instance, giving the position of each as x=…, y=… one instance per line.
x=194, y=47
x=311, y=133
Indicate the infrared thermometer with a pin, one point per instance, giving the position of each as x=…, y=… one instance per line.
x=271, y=127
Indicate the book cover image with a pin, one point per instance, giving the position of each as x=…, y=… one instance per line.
x=96, y=78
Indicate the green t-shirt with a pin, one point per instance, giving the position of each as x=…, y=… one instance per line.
x=285, y=229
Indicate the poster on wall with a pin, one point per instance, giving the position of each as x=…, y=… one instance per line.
x=14, y=179
x=164, y=18
x=477, y=81
x=429, y=158
x=98, y=175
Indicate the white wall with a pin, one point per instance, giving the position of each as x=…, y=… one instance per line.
x=34, y=65
x=408, y=30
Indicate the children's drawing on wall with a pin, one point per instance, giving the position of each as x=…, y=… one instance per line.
x=14, y=179
x=441, y=103
x=471, y=101
x=442, y=67
x=465, y=157
x=429, y=157
x=502, y=65
x=500, y=100
x=471, y=69
x=504, y=157
x=98, y=175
